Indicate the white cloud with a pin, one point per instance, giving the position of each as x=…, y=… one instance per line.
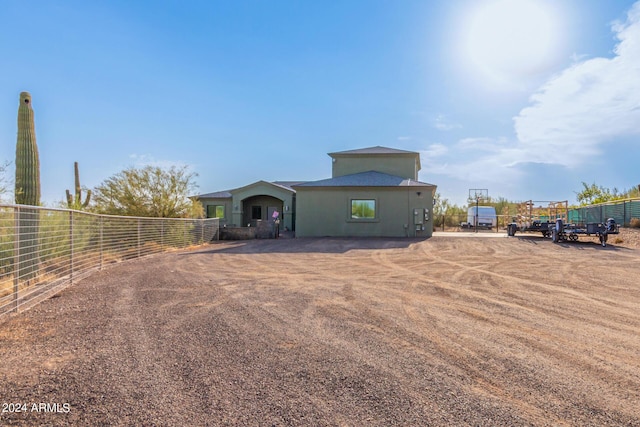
x=435, y=150
x=576, y=57
x=588, y=109
x=585, y=107
x=475, y=159
x=441, y=122
x=483, y=144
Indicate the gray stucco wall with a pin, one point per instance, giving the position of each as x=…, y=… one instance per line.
x=264, y=189
x=403, y=165
x=219, y=202
x=235, y=213
x=326, y=211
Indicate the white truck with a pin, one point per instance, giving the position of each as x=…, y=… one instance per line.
x=485, y=215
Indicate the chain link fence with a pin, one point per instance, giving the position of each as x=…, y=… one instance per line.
x=622, y=211
x=461, y=223
x=44, y=250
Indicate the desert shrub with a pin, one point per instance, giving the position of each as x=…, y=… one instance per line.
x=635, y=222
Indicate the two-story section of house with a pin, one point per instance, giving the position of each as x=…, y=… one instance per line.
x=372, y=192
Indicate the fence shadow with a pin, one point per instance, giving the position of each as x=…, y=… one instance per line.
x=306, y=245
x=43, y=250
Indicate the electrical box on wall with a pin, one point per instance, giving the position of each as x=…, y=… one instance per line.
x=418, y=216
x=426, y=215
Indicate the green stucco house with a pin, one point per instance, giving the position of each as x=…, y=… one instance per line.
x=245, y=206
x=372, y=192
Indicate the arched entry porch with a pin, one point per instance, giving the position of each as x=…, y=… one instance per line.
x=260, y=208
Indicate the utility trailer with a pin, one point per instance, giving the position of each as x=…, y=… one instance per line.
x=571, y=232
x=536, y=226
x=533, y=216
x=552, y=221
x=560, y=232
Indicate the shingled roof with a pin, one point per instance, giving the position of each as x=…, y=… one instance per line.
x=366, y=179
x=216, y=195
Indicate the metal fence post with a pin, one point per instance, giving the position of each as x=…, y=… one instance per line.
x=71, y=246
x=45, y=238
x=16, y=255
x=139, y=237
x=101, y=242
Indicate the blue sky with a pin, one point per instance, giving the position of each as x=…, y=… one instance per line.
x=525, y=98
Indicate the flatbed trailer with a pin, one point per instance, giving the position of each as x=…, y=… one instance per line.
x=560, y=232
x=543, y=227
x=571, y=232
x=538, y=216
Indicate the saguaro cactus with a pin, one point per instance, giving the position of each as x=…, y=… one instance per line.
x=76, y=202
x=27, y=190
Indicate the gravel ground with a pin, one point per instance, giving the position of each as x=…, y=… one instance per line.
x=440, y=332
x=628, y=237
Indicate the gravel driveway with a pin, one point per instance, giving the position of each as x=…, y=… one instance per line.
x=314, y=332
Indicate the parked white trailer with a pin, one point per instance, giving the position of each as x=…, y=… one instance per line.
x=485, y=215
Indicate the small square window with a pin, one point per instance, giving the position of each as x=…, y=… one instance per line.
x=363, y=209
x=215, y=211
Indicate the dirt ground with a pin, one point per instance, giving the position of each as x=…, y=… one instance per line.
x=440, y=332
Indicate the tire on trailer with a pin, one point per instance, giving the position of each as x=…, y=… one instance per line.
x=603, y=240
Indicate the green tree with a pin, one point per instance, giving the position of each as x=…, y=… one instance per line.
x=451, y=214
x=150, y=192
x=440, y=206
x=633, y=193
x=592, y=194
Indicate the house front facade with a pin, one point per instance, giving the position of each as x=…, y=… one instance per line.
x=373, y=192
x=245, y=206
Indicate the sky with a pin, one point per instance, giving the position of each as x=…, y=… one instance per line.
x=524, y=98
